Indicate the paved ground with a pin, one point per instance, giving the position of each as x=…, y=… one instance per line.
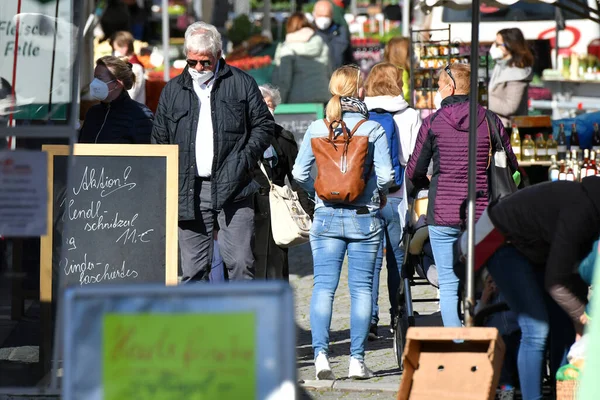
x=379, y=357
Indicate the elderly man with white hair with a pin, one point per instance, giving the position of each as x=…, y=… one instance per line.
x=217, y=116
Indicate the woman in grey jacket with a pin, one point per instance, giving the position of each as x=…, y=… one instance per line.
x=511, y=76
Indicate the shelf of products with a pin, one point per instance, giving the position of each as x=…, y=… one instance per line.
x=428, y=59
x=565, y=160
x=535, y=163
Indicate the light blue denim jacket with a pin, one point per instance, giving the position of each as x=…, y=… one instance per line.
x=382, y=176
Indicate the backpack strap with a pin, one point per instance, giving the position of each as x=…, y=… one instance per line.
x=362, y=121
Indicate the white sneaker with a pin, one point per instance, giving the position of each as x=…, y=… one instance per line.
x=358, y=369
x=323, y=370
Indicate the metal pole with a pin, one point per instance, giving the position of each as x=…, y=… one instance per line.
x=473, y=105
x=165, y=39
x=266, y=22
x=198, y=10
x=406, y=18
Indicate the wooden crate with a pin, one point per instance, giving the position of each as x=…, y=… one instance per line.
x=436, y=366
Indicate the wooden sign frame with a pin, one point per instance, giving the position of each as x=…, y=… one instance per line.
x=170, y=152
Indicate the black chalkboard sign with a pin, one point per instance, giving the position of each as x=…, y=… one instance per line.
x=297, y=117
x=116, y=222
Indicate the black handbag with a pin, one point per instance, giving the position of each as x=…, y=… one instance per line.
x=500, y=173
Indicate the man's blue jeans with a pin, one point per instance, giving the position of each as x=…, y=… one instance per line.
x=393, y=226
x=335, y=231
x=537, y=314
x=442, y=240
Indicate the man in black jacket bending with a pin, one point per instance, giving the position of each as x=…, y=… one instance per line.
x=217, y=116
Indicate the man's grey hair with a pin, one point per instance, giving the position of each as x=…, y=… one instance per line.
x=271, y=91
x=201, y=37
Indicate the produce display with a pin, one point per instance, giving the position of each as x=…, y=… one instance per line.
x=248, y=63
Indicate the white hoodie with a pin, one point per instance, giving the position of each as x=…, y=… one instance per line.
x=408, y=123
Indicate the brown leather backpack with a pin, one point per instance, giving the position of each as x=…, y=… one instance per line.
x=341, y=170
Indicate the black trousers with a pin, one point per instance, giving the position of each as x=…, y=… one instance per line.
x=271, y=261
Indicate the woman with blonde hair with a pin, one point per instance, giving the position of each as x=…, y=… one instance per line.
x=339, y=227
x=397, y=52
x=386, y=104
x=118, y=118
x=302, y=64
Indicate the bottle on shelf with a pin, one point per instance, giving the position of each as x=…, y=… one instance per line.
x=585, y=164
x=541, y=154
x=574, y=138
x=592, y=166
x=515, y=142
x=596, y=139
x=562, y=142
x=575, y=164
x=562, y=173
x=551, y=146
x=553, y=171
x=570, y=173
x=528, y=149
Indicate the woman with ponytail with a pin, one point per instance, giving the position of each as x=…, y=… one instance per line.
x=339, y=227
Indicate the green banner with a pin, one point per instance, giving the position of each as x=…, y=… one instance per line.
x=179, y=356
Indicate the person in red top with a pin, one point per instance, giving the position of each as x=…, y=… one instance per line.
x=122, y=44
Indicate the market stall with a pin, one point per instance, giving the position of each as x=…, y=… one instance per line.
x=539, y=149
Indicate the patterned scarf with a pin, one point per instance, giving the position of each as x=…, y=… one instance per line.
x=352, y=104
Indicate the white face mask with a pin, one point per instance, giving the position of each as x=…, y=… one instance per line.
x=118, y=54
x=437, y=100
x=323, y=22
x=272, y=112
x=99, y=89
x=200, y=77
x=496, y=53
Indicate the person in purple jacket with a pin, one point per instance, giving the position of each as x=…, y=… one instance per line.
x=443, y=139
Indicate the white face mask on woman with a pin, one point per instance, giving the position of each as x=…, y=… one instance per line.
x=437, y=100
x=496, y=53
x=99, y=89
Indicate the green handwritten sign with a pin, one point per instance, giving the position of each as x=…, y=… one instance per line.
x=179, y=356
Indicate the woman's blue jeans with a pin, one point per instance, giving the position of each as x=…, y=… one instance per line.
x=442, y=240
x=334, y=232
x=537, y=314
x=393, y=229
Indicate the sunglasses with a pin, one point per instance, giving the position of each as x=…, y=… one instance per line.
x=449, y=72
x=193, y=63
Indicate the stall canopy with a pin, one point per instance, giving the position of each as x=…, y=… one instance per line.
x=576, y=7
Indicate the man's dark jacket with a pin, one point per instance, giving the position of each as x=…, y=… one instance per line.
x=337, y=38
x=123, y=120
x=242, y=130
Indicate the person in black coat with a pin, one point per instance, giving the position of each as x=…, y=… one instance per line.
x=271, y=261
x=532, y=243
x=216, y=115
x=118, y=118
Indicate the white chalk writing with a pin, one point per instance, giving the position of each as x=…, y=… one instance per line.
x=108, y=185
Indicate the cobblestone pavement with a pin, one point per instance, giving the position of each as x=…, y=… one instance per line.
x=379, y=356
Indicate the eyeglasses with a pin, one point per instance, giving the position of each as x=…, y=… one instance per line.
x=499, y=44
x=449, y=72
x=193, y=63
